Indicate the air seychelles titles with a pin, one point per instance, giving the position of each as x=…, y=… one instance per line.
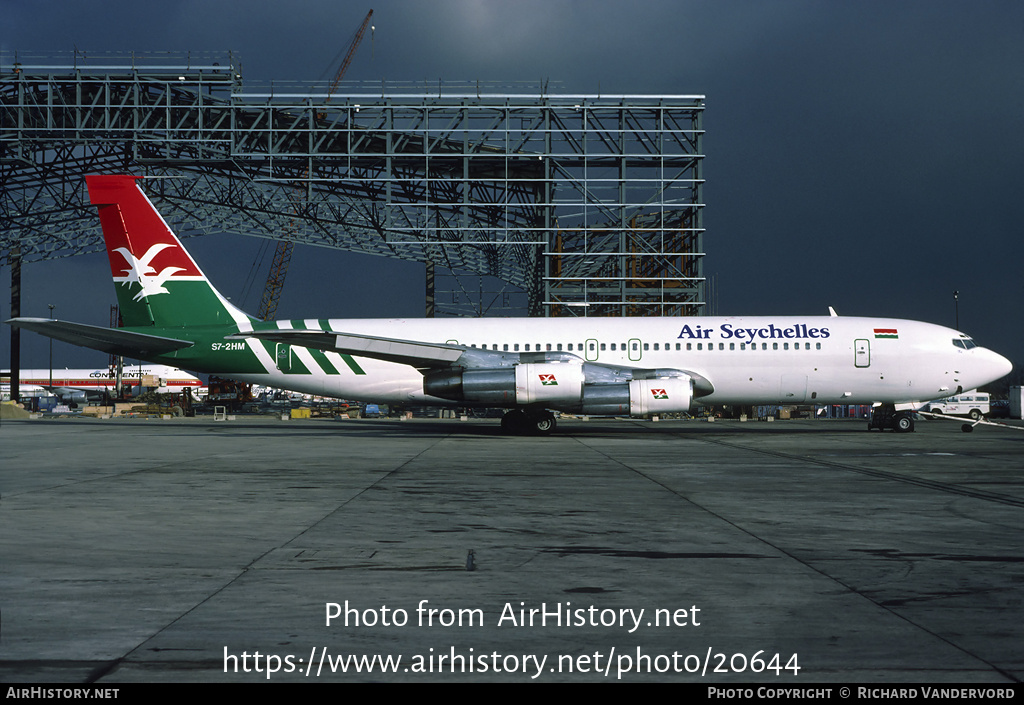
x=727, y=331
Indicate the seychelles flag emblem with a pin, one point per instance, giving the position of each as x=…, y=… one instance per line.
x=548, y=380
x=886, y=333
x=659, y=393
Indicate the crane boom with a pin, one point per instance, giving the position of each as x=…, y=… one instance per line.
x=283, y=250
x=351, y=53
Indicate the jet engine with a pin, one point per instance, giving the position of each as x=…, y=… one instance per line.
x=73, y=397
x=553, y=384
x=639, y=397
x=565, y=386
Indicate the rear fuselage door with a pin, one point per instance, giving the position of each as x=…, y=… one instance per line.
x=284, y=357
x=861, y=352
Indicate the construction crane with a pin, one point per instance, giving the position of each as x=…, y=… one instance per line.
x=284, y=249
x=351, y=52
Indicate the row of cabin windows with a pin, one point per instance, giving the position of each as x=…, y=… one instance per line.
x=592, y=346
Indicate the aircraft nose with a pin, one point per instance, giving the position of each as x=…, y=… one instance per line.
x=1002, y=365
x=995, y=366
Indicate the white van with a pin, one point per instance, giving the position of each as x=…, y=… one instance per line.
x=974, y=404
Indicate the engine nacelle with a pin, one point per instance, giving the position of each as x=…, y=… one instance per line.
x=639, y=397
x=554, y=384
x=74, y=397
x=660, y=396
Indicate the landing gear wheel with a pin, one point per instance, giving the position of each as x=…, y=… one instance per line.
x=904, y=423
x=542, y=423
x=519, y=422
x=514, y=422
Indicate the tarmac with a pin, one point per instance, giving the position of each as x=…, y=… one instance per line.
x=785, y=553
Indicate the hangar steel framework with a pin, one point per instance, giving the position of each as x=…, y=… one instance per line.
x=589, y=204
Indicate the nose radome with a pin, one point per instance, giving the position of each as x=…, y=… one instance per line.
x=991, y=366
x=1000, y=365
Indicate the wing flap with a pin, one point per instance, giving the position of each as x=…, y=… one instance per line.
x=114, y=341
x=406, y=352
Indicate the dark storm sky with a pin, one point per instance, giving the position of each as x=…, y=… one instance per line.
x=865, y=155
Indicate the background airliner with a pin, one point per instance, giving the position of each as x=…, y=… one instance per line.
x=77, y=386
x=596, y=366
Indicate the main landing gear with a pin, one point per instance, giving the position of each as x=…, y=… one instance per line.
x=528, y=422
x=886, y=416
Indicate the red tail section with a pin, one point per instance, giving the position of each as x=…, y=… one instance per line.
x=132, y=226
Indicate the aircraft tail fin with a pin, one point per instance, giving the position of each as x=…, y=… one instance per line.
x=157, y=281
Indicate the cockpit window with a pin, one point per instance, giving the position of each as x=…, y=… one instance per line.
x=965, y=343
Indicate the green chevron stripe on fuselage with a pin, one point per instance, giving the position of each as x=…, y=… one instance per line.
x=213, y=354
x=321, y=359
x=352, y=364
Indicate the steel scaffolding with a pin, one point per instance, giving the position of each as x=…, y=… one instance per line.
x=589, y=204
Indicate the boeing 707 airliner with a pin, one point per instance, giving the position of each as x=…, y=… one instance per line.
x=530, y=366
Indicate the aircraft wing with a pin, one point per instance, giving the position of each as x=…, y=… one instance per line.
x=406, y=352
x=115, y=341
x=426, y=356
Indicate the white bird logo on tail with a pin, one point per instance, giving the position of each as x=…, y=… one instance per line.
x=145, y=275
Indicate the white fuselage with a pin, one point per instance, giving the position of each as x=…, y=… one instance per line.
x=747, y=360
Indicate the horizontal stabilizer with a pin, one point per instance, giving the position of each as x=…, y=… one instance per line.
x=406, y=352
x=115, y=341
